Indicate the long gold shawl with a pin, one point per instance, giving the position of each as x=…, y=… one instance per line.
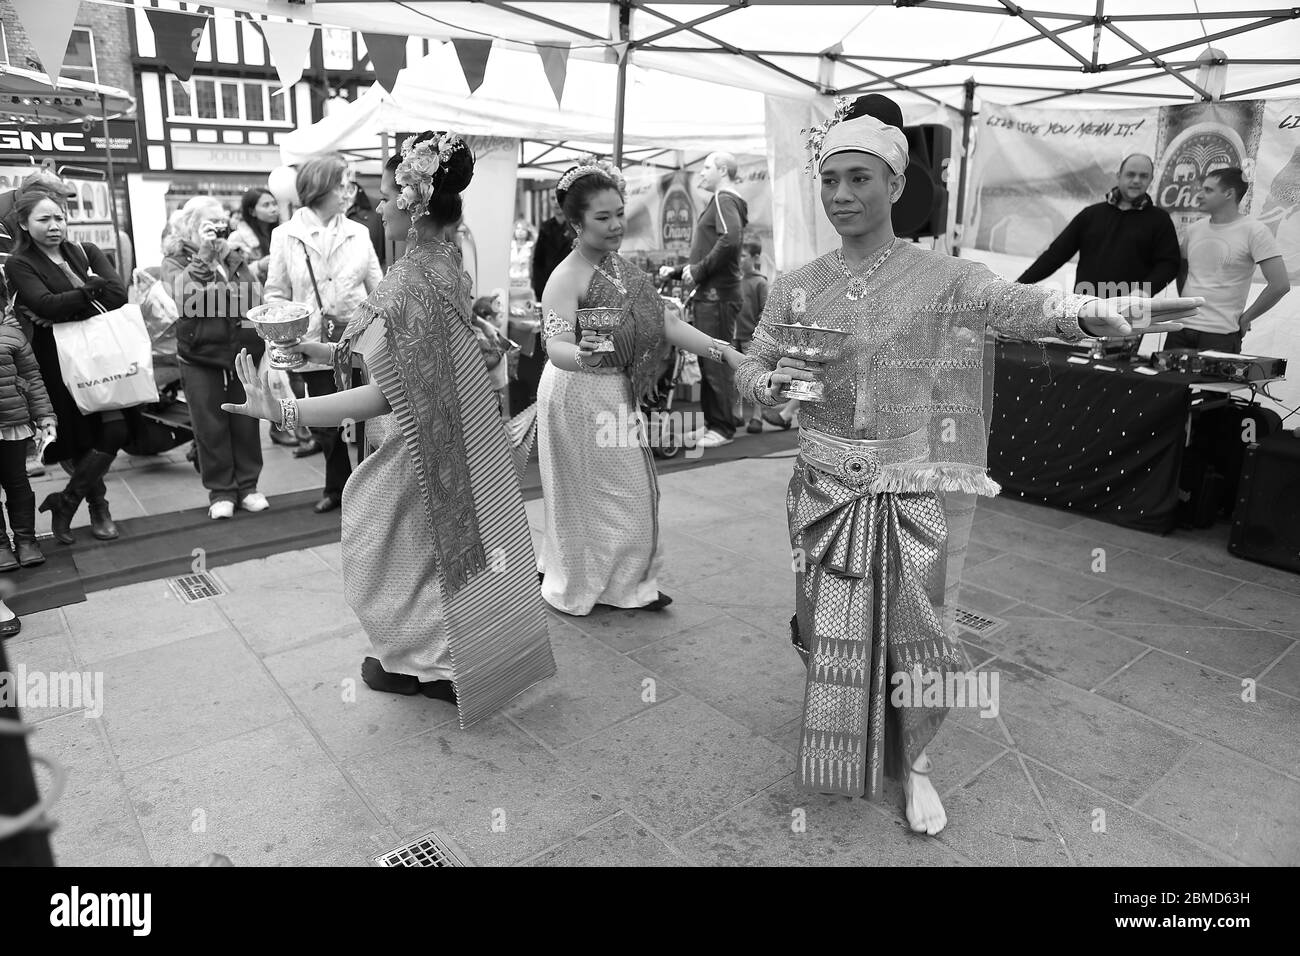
x=425, y=303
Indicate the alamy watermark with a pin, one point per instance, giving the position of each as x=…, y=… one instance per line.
x=916, y=688
x=662, y=429
x=28, y=690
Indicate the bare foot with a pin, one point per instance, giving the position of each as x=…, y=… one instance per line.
x=925, y=812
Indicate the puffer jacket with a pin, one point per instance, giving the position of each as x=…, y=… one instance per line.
x=23, y=399
x=346, y=268
x=213, y=298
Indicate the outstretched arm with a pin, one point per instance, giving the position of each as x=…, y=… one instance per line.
x=686, y=336
x=324, y=411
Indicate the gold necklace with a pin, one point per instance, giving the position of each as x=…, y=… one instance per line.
x=612, y=280
x=858, y=280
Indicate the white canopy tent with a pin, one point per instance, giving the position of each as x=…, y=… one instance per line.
x=1089, y=53
x=515, y=100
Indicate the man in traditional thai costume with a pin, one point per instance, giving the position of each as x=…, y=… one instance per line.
x=438, y=563
x=891, y=457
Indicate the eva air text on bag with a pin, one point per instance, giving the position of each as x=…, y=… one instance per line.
x=107, y=360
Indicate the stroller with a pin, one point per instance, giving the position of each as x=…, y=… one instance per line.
x=666, y=433
x=166, y=422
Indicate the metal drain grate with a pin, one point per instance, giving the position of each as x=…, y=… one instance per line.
x=196, y=587
x=978, y=623
x=427, y=850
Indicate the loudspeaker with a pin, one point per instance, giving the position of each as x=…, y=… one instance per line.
x=922, y=210
x=1266, y=522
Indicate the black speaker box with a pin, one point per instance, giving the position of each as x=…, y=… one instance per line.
x=922, y=210
x=1266, y=522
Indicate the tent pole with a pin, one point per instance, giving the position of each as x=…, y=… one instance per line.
x=620, y=104
x=112, y=188
x=390, y=247
x=967, y=115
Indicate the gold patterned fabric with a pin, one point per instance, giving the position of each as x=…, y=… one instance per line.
x=425, y=301
x=404, y=569
x=882, y=496
x=869, y=602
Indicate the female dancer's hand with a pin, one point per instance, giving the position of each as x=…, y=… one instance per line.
x=258, y=402
x=587, y=346
x=318, y=353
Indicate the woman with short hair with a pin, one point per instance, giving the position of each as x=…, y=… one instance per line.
x=326, y=261
x=214, y=288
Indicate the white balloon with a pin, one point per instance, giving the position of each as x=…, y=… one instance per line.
x=283, y=183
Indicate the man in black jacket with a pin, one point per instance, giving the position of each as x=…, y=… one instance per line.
x=714, y=270
x=1127, y=245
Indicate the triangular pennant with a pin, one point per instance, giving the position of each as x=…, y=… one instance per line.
x=387, y=55
x=615, y=52
x=473, y=56
x=290, y=45
x=176, y=37
x=48, y=24
x=555, y=61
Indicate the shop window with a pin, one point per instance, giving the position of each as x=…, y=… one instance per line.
x=235, y=102
x=254, y=102
x=205, y=99
x=230, y=101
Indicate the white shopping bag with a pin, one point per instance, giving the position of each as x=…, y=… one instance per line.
x=107, y=360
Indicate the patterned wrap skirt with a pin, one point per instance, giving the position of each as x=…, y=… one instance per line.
x=870, y=603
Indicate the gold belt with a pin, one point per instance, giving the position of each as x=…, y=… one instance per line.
x=856, y=461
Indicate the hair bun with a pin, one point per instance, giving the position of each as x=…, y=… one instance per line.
x=456, y=173
x=877, y=106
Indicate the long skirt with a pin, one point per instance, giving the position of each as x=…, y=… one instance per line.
x=870, y=604
x=601, y=542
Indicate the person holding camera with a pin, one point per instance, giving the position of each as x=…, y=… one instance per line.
x=214, y=287
x=324, y=260
x=57, y=280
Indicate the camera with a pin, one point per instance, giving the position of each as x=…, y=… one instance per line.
x=222, y=231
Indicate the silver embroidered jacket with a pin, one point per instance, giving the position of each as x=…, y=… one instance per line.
x=914, y=358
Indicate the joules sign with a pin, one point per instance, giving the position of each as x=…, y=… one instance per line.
x=70, y=141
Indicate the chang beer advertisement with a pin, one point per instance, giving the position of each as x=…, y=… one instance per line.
x=1275, y=188
x=663, y=208
x=1194, y=140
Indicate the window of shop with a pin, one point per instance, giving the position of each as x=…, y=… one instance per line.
x=79, y=62
x=247, y=102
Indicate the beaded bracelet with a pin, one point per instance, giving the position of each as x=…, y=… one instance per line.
x=289, y=414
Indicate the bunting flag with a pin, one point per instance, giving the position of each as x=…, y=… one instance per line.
x=290, y=46
x=473, y=56
x=387, y=56
x=177, y=36
x=555, y=61
x=615, y=52
x=48, y=24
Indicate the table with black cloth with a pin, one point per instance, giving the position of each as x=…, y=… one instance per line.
x=1104, y=444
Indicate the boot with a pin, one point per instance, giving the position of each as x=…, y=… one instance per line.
x=62, y=505
x=101, y=521
x=8, y=561
x=23, y=519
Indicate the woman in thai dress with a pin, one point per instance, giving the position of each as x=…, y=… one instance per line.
x=601, y=541
x=437, y=558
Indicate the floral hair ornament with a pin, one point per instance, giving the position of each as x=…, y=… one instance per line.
x=588, y=165
x=417, y=175
x=816, y=136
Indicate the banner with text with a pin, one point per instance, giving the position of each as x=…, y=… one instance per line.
x=1034, y=169
x=663, y=207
